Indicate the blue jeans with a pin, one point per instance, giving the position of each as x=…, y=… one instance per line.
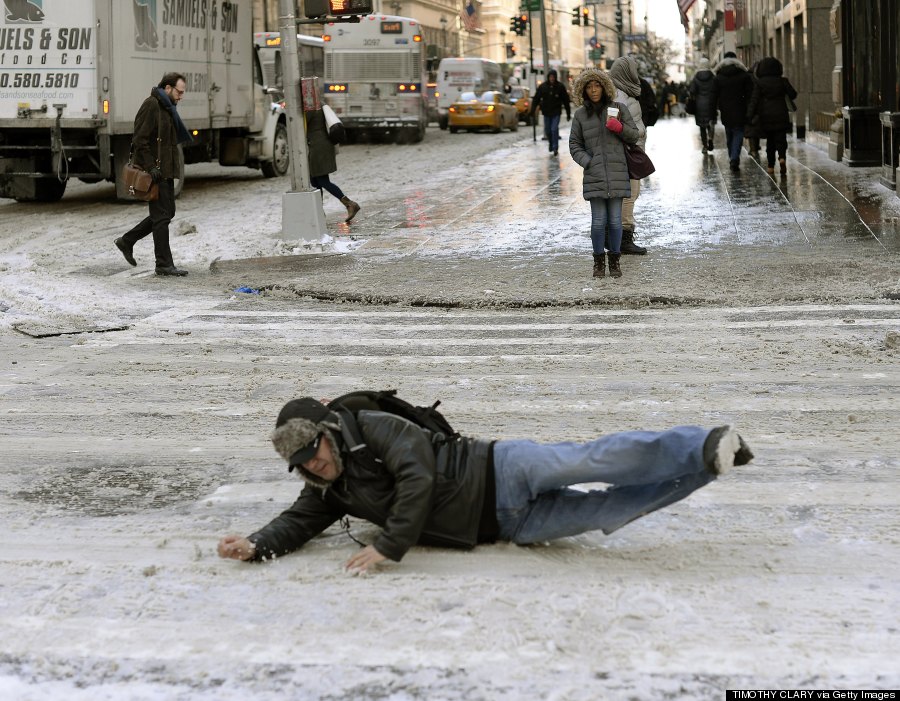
x=551, y=131
x=646, y=470
x=605, y=212
x=734, y=137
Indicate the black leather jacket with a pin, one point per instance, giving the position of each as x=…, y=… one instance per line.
x=424, y=491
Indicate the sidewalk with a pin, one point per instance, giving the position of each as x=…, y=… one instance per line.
x=512, y=230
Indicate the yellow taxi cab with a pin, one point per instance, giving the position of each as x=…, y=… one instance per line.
x=521, y=98
x=490, y=110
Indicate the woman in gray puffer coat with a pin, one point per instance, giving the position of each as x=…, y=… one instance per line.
x=600, y=129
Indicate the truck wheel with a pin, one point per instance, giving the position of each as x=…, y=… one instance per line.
x=281, y=155
x=48, y=189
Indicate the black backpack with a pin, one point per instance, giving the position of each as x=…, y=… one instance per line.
x=348, y=405
x=649, y=106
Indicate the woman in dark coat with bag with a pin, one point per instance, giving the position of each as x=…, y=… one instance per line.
x=703, y=93
x=600, y=130
x=769, y=110
x=322, y=160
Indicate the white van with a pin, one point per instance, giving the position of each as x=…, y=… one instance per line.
x=458, y=75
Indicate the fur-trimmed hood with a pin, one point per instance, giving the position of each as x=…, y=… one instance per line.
x=731, y=64
x=587, y=75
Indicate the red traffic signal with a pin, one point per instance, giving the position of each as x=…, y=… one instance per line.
x=337, y=8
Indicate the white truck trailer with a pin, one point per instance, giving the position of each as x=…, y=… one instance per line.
x=73, y=74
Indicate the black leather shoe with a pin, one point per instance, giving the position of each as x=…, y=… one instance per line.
x=171, y=270
x=127, y=251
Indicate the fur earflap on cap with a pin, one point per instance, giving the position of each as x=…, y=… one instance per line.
x=292, y=436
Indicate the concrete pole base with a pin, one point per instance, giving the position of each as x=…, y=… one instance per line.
x=302, y=217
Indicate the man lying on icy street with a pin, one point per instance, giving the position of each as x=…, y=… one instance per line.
x=424, y=488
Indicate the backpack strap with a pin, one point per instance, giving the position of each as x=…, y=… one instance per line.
x=353, y=440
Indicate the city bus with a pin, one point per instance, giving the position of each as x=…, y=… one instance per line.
x=311, y=54
x=375, y=77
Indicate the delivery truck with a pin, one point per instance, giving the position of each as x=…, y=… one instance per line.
x=73, y=74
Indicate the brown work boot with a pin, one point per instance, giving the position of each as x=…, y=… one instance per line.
x=782, y=164
x=614, y=269
x=352, y=208
x=599, y=265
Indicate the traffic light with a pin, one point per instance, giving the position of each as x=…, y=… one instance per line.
x=514, y=25
x=618, y=19
x=585, y=16
x=337, y=8
x=523, y=24
x=576, y=16
x=510, y=51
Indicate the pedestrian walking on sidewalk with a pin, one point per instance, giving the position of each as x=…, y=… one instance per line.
x=734, y=88
x=552, y=97
x=426, y=488
x=625, y=76
x=600, y=130
x=769, y=106
x=703, y=92
x=158, y=118
x=752, y=131
x=323, y=160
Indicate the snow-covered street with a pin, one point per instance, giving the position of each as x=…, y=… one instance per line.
x=135, y=413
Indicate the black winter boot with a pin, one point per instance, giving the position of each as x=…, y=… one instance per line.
x=599, y=265
x=629, y=246
x=614, y=269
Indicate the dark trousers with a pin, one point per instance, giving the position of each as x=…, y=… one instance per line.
x=734, y=138
x=323, y=182
x=162, y=211
x=776, y=142
x=706, y=134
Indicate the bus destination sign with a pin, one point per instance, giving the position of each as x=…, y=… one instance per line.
x=392, y=28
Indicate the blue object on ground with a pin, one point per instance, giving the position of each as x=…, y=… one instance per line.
x=247, y=290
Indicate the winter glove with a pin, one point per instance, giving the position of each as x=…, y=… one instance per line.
x=156, y=174
x=614, y=125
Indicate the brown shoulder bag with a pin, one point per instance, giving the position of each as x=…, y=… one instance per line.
x=139, y=181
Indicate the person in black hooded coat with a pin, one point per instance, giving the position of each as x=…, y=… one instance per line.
x=703, y=92
x=768, y=108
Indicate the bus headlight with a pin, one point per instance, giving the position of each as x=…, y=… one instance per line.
x=336, y=87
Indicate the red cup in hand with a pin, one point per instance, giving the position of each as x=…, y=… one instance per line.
x=614, y=125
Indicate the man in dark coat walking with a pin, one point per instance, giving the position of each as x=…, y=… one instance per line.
x=157, y=117
x=453, y=491
x=734, y=87
x=552, y=96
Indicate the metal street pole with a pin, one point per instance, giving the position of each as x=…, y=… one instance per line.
x=302, y=215
x=532, y=82
x=619, y=29
x=546, y=49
